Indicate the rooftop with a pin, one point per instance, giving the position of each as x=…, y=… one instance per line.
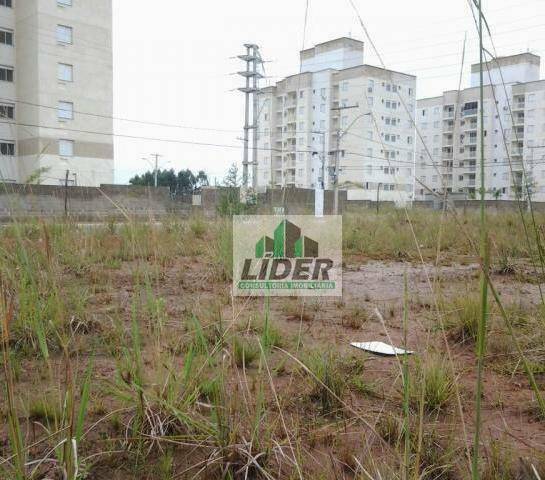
x=509, y=60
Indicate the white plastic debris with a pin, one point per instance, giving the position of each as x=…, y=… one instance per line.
x=381, y=348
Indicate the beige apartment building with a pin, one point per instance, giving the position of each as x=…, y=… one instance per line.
x=448, y=154
x=339, y=110
x=56, y=91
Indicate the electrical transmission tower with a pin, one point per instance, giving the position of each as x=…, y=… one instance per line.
x=252, y=58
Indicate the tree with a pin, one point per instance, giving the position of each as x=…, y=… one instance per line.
x=185, y=181
x=232, y=179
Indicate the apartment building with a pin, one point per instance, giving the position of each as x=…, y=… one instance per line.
x=56, y=91
x=448, y=152
x=339, y=110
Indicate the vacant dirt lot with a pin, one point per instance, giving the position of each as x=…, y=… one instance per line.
x=125, y=356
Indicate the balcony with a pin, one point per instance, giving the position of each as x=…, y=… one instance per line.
x=471, y=126
x=471, y=112
x=517, y=135
x=448, y=113
x=290, y=164
x=472, y=140
x=289, y=178
x=448, y=126
x=519, y=106
x=447, y=155
x=448, y=140
x=517, y=151
x=518, y=119
x=291, y=148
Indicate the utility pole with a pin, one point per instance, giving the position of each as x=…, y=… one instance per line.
x=378, y=196
x=156, y=167
x=252, y=58
x=320, y=184
x=66, y=193
x=340, y=134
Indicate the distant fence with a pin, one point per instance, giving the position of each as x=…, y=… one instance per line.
x=120, y=201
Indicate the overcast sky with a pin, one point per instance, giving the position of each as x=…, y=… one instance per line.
x=173, y=61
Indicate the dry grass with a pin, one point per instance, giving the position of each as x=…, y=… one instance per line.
x=126, y=357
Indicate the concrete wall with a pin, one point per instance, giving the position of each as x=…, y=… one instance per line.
x=18, y=201
x=85, y=203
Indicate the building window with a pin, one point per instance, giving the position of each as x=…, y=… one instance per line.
x=66, y=148
x=65, y=72
x=64, y=34
x=64, y=3
x=7, y=111
x=6, y=37
x=6, y=74
x=6, y=3
x=7, y=148
x=344, y=86
x=66, y=111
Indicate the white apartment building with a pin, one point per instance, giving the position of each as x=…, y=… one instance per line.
x=338, y=105
x=448, y=154
x=56, y=91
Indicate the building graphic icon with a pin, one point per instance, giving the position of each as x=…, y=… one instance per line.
x=287, y=242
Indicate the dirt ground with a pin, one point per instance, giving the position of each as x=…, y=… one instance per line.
x=373, y=296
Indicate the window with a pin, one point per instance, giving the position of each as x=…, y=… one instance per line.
x=345, y=86
x=64, y=34
x=7, y=111
x=370, y=86
x=6, y=3
x=65, y=72
x=322, y=107
x=322, y=125
x=65, y=111
x=7, y=148
x=301, y=94
x=6, y=37
x=6, y=74
x=369, y=101
x=64, y=3
x=322, y=92
x=66, y=148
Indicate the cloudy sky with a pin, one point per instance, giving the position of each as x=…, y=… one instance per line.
x=173, y=62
